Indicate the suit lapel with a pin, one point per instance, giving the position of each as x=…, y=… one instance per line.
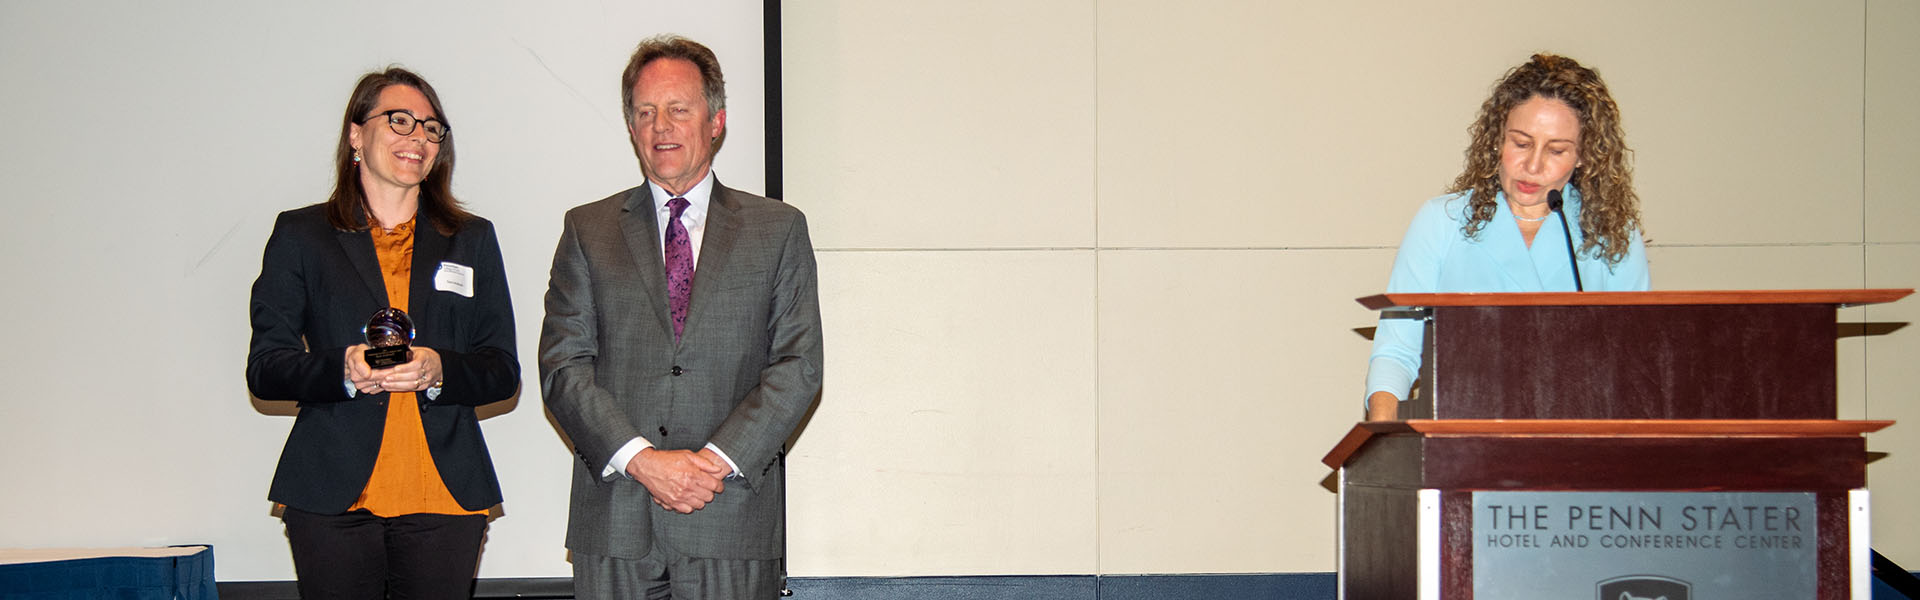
x=641, y=230
x=717, y=245
x=359, y=248
x=716, y=249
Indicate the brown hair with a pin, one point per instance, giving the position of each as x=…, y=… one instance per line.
x=713, y=85
x=1610, y=210
x=347, y=207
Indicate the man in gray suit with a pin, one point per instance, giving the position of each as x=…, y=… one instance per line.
x=680, y=349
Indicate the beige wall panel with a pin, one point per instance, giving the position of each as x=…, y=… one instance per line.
x=1777, y=268
x=1231, y=124
x=941, y=124
x=1893, y=123
x=1745, y=118
x=1303, y=124
x=1893, y=393
x=1756, y=267
x=1224, y=377
x=955, y=435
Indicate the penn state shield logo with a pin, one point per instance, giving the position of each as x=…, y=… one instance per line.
x=1645, y=587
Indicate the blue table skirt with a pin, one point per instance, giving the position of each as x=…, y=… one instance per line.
x=188, y=577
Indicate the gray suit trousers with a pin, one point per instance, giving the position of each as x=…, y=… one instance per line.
x=664, y=574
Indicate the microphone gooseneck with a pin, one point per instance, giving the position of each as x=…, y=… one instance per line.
x=1553, y=202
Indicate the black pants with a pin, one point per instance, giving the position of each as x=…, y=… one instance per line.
x=360, y=556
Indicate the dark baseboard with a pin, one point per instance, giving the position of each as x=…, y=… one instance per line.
x=529, y=588
x=258, y=590
x=524, y=587
x=1036, y=587
x=1263, y=586
x=1257, y=586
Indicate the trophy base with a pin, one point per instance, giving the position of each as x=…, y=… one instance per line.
x=381, y=358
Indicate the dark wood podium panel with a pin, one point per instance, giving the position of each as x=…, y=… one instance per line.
x=1628, y=355
x=1390, y=537
x=1631, y=362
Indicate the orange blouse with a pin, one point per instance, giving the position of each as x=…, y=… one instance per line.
x=405, y=480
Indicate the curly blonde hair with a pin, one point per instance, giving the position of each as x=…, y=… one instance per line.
x=1610, y=210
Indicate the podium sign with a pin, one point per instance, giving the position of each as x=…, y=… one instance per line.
x=1677, y=545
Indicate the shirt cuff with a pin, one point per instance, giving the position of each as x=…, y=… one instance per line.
x=723, y=456
x=623, y=456
x=433, y=393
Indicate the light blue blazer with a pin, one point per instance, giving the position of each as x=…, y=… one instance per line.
x=1435, y=257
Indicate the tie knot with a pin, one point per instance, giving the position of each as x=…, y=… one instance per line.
x=678, y=205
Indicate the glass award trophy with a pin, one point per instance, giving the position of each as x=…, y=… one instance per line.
x=390, y=332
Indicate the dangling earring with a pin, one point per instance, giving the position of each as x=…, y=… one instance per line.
x=356, y=157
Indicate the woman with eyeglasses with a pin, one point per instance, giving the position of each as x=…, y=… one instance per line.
x=385, y=480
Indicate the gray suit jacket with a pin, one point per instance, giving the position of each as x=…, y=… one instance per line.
x=747, y=367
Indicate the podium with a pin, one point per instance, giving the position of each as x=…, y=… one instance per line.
x=1612, y=445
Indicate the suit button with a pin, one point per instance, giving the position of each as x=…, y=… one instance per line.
x=663, y=430
x=677, y=371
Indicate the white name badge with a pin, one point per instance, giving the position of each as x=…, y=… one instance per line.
x=454, y=277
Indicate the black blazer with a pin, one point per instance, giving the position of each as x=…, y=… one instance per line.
x=317, y=287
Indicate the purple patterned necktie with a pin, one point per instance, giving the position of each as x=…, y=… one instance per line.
x=679, y=268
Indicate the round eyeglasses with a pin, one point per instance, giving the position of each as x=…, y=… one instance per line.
x=403, y=122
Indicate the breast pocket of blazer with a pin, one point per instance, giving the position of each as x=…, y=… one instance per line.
x=740, y=295
x=749, y=284
x=454, y=313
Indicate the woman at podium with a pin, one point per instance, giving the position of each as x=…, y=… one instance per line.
x=1544, y=204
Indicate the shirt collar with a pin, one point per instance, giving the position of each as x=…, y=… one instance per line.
x=698, y=198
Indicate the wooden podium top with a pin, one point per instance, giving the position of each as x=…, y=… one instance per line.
x=1366, y=430
x=1714, y=354
x=1834, y=297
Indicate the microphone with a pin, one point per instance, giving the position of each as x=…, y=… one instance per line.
x=1553, y=202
